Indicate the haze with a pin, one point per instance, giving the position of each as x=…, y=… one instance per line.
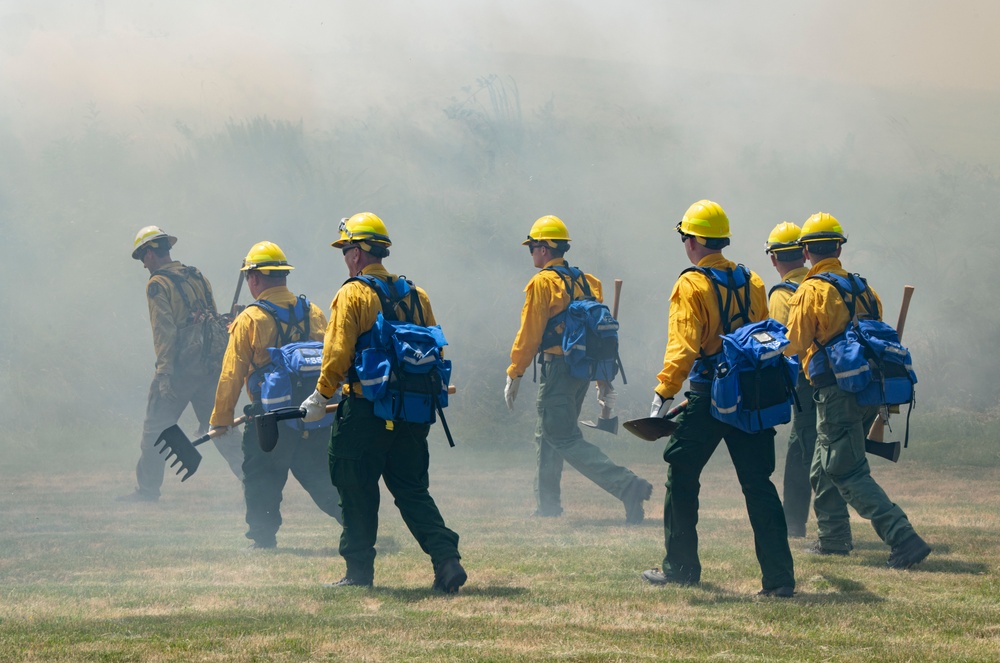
x=459, y=124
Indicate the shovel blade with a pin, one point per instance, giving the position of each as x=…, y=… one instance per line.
x=651, y=429
x=175, y=443
x=609, y=425
x=267, y=431
x=267, y=425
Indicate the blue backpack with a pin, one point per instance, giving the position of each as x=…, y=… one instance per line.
x=753, y=386
x=589, y=339
x=295, y=366
x=867, y=358
x=399, y=362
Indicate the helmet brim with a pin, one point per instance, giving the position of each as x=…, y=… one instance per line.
x=171, y=240
x=823, y=237
x=262, y=267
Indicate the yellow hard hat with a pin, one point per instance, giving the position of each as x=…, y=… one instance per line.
x=821, y=226
x=148, y=235
x=548, y=229
x=705, y=219
x=267, y=257
x=364, y=229
x=784, y=237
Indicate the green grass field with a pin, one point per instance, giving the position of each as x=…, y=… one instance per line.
x=83, y=578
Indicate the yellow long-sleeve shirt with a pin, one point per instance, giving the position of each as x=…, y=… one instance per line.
x=695, y=324
x=168, y=312
x=817, y=312
x=251, y=334
x=353, y=312
x=777, y=303
x=545, y=297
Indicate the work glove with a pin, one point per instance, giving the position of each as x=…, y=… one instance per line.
x=510, y=391
x=660, y=406
x=315, y=407
x=165, y=386
x=607, y=397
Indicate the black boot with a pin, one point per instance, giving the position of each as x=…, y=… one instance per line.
x=449, y=576
x=909, y=553
x=634, y=495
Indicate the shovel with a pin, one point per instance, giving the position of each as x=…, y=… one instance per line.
x=653, y=428
x=606, y=422
x=267, y=423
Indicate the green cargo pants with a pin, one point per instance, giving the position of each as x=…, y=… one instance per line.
x=162, y=413
x=797, y=490
x=840, y=474
x=558, y=438
x=697, y=436
x=265, y=475
x=362, y=450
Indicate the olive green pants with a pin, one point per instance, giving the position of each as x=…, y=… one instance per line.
x=266, y=473
x=841, y=475
x=162, y=413
x=362, y=450
x=797, y=490
x=558, y=438
x=697, y=436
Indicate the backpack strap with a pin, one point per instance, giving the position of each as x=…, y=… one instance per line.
x=569, y=276
x=288, y=320
x=732, y=293
x=179, y=281
x=395, y=296
x=790, y=286
x=853, y=290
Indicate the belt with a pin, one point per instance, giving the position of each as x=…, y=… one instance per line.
x=550, y=356
x=826, y=379
x=700, y=387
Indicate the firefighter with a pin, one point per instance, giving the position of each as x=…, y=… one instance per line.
x=840, y=474
x=694, y=325
x=560, y=395
x=303, y=453
x=178, y=295
x=364, y=447
x=788, y=260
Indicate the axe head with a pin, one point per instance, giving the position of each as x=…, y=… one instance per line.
x=651, y=428
x=887, y=450
x=609, y=424
x=175, y=443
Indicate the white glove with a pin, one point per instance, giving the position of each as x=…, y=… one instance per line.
x=660, y=406
x=607, y=397
x=315, y=407
x=510, y=391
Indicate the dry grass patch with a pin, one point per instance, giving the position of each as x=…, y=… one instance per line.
x=84, y=578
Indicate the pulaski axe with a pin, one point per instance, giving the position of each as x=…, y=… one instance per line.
x=653, y=428
x=605, y=421
x=875, y=440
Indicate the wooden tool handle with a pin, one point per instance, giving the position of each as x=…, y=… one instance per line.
x=614, y=302
x=877, y=432
x=903, y=308
x=675, y=410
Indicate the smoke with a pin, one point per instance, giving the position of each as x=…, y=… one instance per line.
x=460, y=123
